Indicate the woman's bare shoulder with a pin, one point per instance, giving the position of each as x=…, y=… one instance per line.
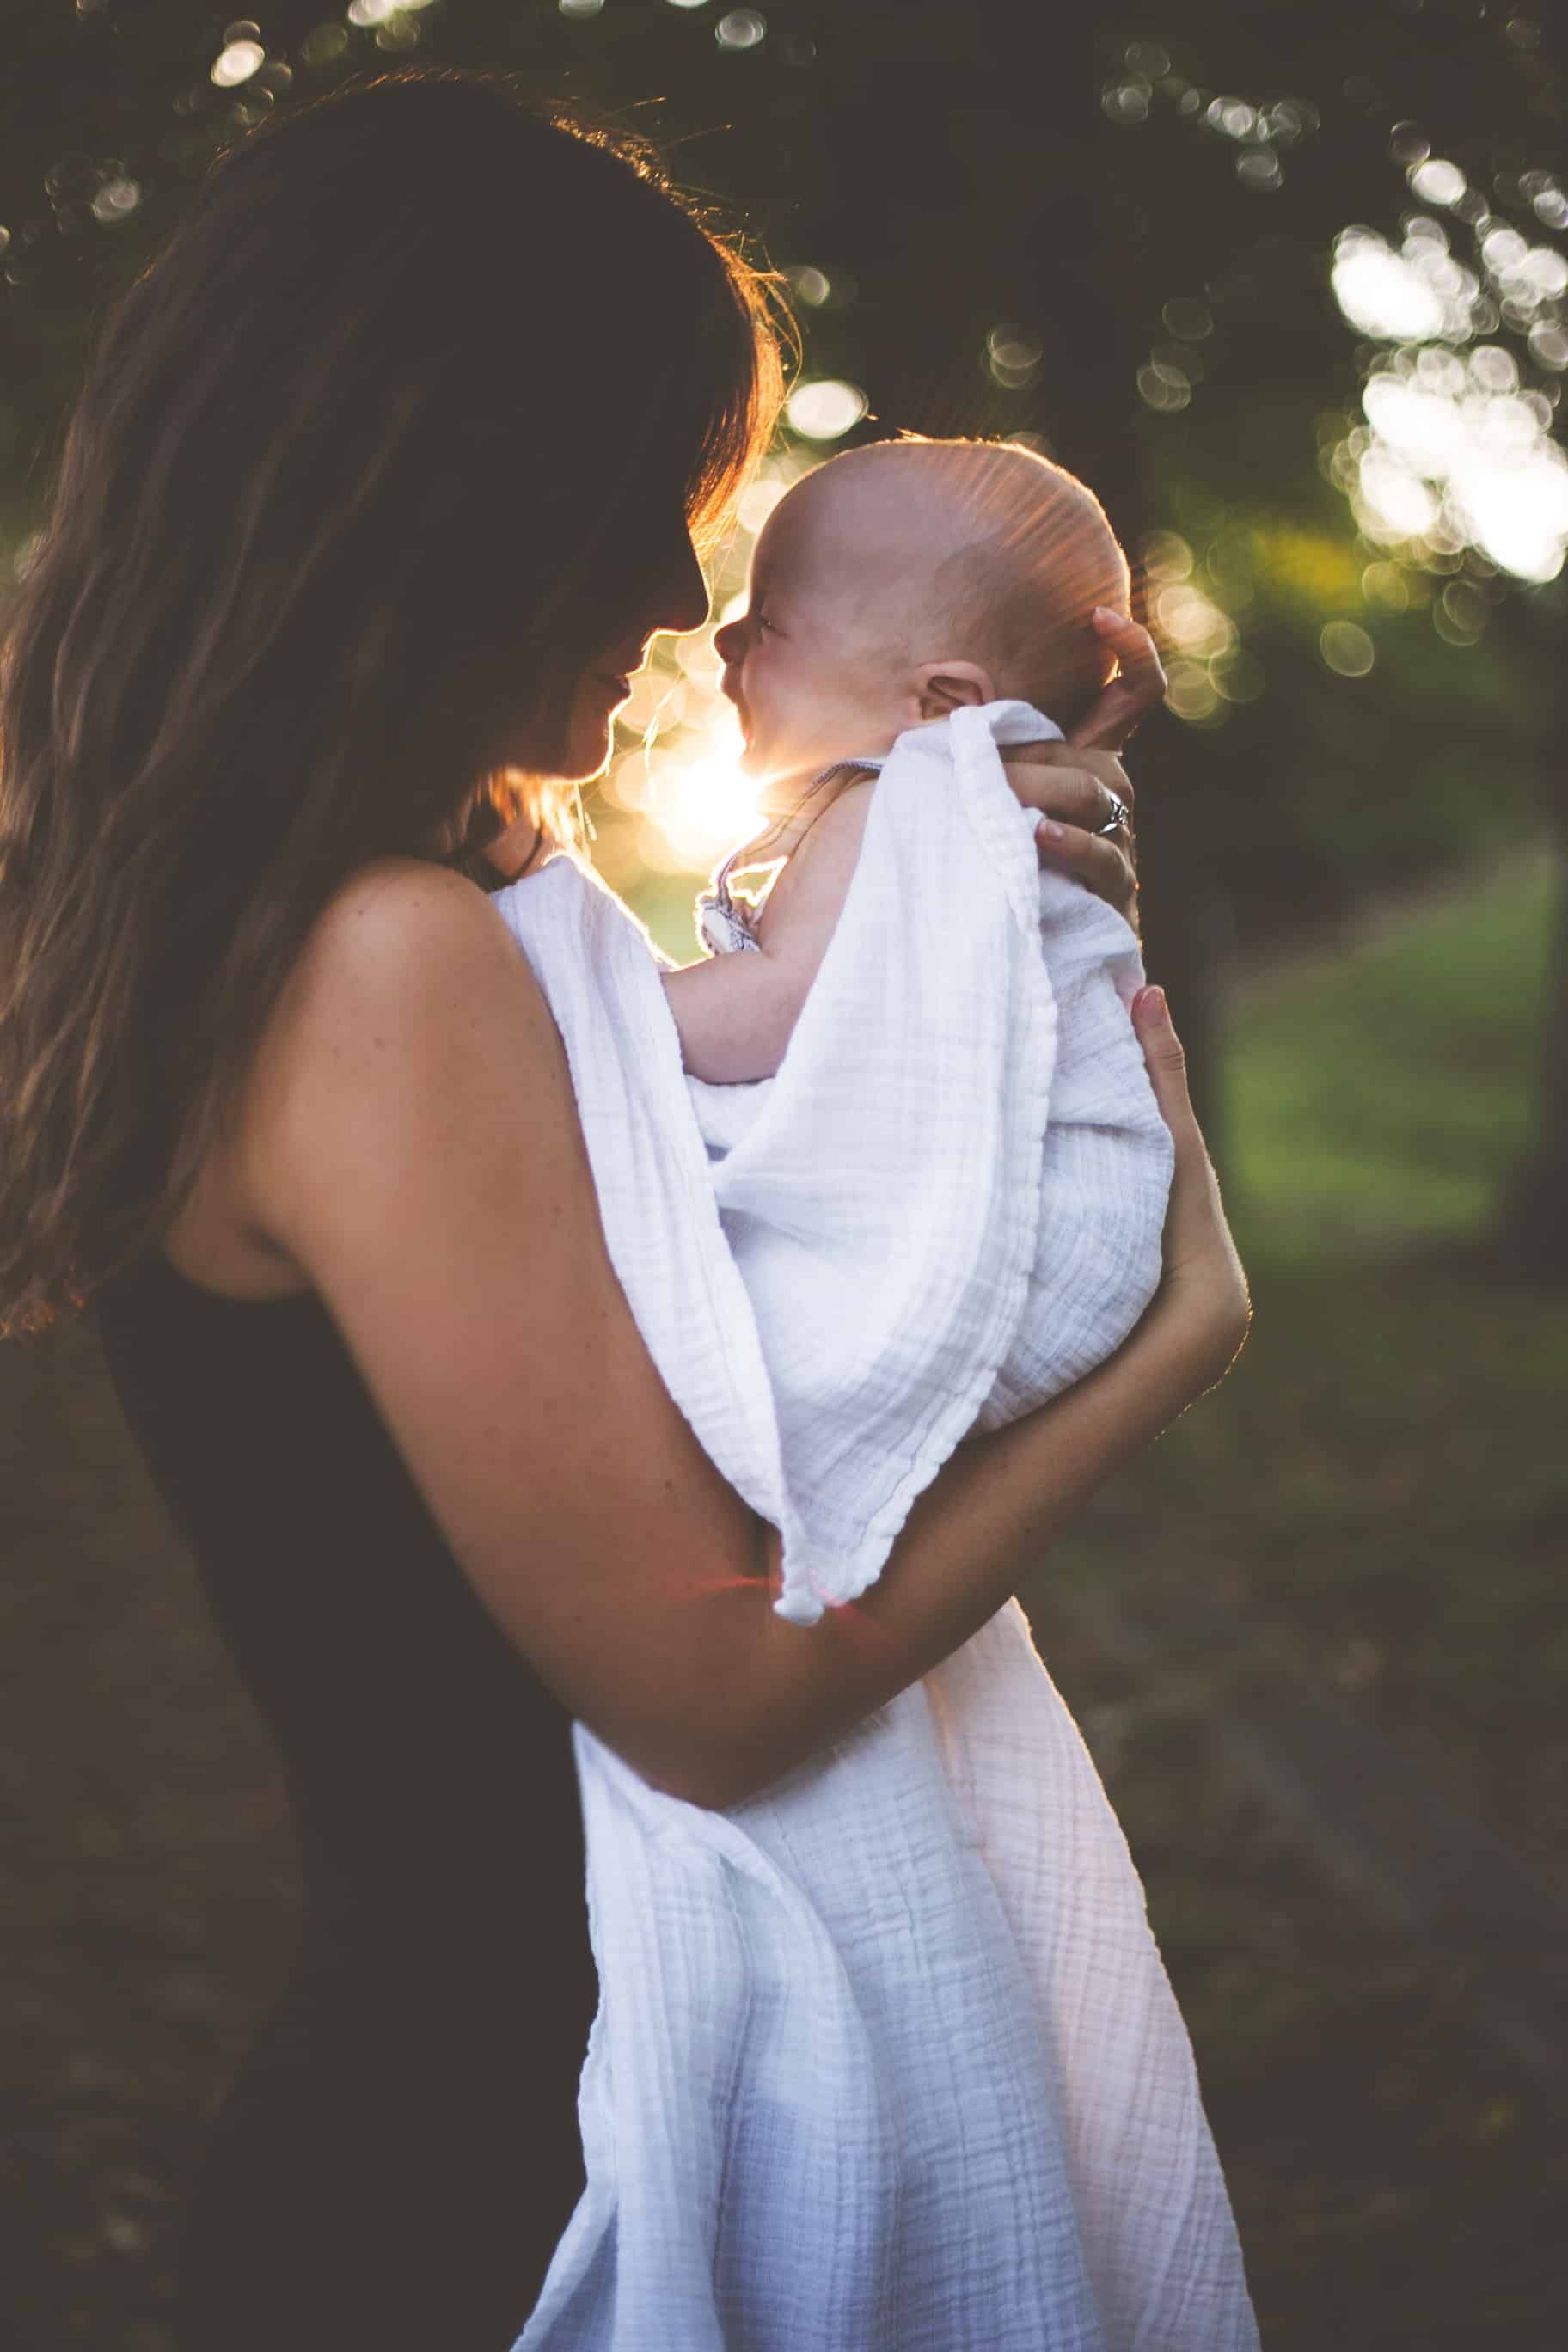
x=389, y=918
x=402, y=945
x=408, y=973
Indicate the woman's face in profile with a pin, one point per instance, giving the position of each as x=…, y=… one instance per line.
x=672, y=598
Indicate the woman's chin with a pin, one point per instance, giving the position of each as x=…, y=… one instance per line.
x=587, y=756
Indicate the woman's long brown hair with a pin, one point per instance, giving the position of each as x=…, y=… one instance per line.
x=363, y=467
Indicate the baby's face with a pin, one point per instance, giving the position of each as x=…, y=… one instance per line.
x=804, y=665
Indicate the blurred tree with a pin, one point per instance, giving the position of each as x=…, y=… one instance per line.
x=1444, y=125
x=998, y=219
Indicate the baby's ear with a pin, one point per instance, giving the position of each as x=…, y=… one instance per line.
x=948, y=686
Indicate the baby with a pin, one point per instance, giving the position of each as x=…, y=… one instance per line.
x=891, y=586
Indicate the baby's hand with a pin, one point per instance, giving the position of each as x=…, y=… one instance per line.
x=736, y=1014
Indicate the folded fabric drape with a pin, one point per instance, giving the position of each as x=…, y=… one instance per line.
x=886, y=2059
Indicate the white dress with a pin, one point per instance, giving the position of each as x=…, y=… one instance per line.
x=886, y=2059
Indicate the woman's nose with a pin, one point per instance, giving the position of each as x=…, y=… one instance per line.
x=683, y=592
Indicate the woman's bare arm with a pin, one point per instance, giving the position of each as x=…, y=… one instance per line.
x=410, y=1139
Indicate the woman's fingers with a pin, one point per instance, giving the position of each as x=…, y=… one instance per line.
x=1167, y=1060
x=1074, y=794
x=1199, y=1255
x=1138, y=686
x=1074, y=785
x=1103, y=865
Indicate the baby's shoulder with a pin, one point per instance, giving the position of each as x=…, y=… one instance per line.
x=844, y=818
x=809, y=887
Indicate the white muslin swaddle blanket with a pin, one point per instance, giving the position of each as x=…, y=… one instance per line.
x=886, y=2059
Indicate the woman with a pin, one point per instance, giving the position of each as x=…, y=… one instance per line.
x=381, y=478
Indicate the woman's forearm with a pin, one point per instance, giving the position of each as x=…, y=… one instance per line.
x=996, y=1507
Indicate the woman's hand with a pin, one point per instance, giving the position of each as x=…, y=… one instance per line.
x=1077, y=785
x=1203, y=1280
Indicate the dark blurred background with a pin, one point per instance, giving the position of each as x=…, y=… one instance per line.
x=1290, y=287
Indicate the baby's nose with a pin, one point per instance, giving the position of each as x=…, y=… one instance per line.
x=730, y=642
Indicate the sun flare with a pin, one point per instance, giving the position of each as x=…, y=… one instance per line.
x=691, y=801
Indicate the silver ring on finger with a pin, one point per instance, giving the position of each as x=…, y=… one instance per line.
x=1119, y=821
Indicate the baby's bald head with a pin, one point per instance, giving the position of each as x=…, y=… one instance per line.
x=967, y=550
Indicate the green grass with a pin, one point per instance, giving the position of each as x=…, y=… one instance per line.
x=1383, y=1096
x=1382, y=1482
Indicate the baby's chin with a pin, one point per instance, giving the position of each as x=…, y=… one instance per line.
x=776, y=780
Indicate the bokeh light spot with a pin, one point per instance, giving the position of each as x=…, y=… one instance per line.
x=1259, y=167
x=1184, y=617
x=824, y=409
x=1234, y=117
x=324, y=46
x=1383, y=293
x=1190, y=691
x=116, y=201
x=1438, y=183
x=1164, y=387
x=811, y=286
x=1385, y=585
x=237, y=63
x=1013, y=356
x=1166, y=556
x=1459, y=614
x=742, y=29
x=1347, y=649
x=1126, y=102
x=757, y=502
